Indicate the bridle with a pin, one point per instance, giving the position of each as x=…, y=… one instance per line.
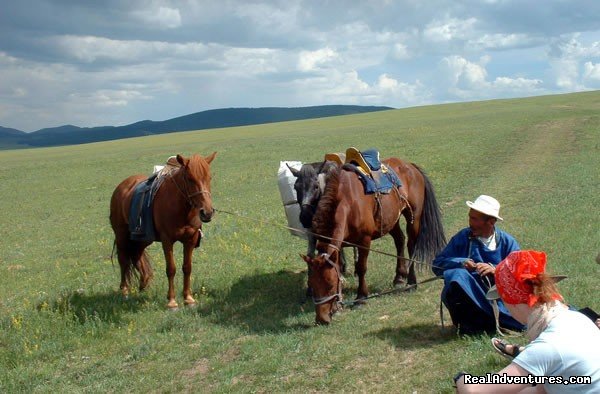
x=186, y=189
x=338, y=293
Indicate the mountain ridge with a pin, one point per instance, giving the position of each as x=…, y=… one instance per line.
x=209, y=119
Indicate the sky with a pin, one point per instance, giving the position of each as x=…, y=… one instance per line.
x=116, y=62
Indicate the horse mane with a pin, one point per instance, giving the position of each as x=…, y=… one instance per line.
x=198, y=166
x=323, y=220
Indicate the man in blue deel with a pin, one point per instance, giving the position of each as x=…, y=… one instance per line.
x=468, y=264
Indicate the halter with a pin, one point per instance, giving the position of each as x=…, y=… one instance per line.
x=186, y=186
x=338, y=294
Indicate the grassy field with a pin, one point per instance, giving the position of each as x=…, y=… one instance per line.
x=65, y=328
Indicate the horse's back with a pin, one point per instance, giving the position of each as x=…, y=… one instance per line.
x=411, y=177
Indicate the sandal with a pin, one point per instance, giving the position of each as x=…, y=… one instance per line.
x=501, y=347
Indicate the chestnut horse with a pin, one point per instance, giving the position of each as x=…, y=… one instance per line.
x=346, y=214
x=181, y=203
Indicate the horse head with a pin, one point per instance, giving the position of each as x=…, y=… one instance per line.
x=325, y=278
x=196, y=183
x=308, y=191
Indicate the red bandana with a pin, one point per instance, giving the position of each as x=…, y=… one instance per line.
x=513, y=272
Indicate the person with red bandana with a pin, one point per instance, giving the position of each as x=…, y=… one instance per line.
x=565, y=344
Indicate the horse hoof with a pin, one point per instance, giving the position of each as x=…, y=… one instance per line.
x=172, y=306
x=399, y=283
x=191, y=304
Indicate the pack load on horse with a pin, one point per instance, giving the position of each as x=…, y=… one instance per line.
x=356, y=212
x=167, y=207
x=285, y=181
x=301, y=186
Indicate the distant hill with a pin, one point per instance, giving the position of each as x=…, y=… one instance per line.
x=10, y=138
x=217, y=118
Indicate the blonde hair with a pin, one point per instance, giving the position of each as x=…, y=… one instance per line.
x=545, y=289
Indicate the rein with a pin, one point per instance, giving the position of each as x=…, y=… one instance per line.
x=396, y=290
x=338, y=294
x=305, y=231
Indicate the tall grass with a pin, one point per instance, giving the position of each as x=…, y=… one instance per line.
x=64, y=326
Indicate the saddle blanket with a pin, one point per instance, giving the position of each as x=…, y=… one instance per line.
x=141, y=223
x=380, y=178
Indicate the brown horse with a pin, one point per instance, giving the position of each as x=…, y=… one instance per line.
x=346, y=214
x=181, y=203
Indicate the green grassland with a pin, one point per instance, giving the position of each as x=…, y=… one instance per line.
x=65, y=328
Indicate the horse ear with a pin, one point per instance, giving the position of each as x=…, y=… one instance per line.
x=321, y=167
x=182, y=160
x=210, y=158
x=334, y=255
x=306, y=258
x=294, y=171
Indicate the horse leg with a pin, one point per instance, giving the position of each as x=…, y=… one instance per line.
x=342, y=261
x=401, y=271
x=188, y=250
x=310, y=252
x=171, y=270
x=125, y=264
x=360, y=269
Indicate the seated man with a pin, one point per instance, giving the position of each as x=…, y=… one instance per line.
x=468, y=264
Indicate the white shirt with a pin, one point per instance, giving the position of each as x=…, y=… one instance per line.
x=569, y=346
x=489, y=242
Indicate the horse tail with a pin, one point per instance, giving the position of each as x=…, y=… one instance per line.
x=145, y=269
x=431, y=238
x=135, y=262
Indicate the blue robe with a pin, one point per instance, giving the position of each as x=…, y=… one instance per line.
x=449, y=264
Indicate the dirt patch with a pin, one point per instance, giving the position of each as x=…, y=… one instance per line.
x=231, y=354
x=200, y=368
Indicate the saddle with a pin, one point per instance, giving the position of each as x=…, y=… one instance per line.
x=375, y=176
x=337, y=158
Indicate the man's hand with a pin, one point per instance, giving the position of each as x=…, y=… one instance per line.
x=484, y=269
x=469, y=265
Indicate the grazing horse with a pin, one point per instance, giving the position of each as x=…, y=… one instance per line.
x=309, y=186
x=346, y=214
x=180, y=205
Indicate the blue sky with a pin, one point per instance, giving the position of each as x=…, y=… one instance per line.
x=118, y=62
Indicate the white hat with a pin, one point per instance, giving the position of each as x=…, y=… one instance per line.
x=487, y=205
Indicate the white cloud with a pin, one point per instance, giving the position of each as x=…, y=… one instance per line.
x=161, y=17
x=470, y=80
x=504, y=41
x=311, y=60
x=108, y=98
x=400, y=51
x=517, y=85
x=449, y=29
x=387, y=83
x=112, y=65
x=89, y=49
x=591, y=74
x=269, y=16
